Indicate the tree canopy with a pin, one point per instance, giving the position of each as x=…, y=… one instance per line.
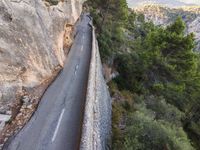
x=158, y=82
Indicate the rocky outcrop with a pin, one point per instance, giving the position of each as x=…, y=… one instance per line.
x=97, y=117
x=194, y=27
x=34, y=39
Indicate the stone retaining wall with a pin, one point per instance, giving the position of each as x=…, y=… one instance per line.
x=97, y=117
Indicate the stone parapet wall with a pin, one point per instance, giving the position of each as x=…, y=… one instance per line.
x=97, y=118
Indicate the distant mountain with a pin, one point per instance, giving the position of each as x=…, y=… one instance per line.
x=163, y=16
x=168, y=3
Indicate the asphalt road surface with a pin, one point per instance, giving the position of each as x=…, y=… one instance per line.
x=56, y=125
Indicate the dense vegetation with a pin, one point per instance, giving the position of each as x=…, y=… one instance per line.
x=157, y=92
x=52, y=2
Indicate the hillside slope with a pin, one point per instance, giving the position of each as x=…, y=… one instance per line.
x=164, y=16
x=156, y=88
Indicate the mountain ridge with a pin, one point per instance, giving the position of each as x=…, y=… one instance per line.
x=163, y=16
x=168, y=3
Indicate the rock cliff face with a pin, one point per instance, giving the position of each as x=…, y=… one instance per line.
x=161, y=15
x=34, y=39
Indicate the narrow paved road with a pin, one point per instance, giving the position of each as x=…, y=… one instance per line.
x=56, y=125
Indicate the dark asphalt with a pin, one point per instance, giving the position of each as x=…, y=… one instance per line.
x=56, y=125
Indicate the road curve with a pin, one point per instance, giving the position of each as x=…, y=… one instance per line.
x=56, y=125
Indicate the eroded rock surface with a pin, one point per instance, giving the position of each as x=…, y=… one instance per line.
x=34, y=38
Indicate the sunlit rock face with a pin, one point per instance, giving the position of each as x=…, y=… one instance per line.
x=34, y=38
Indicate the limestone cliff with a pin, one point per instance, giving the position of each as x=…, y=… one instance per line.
x=34, y=39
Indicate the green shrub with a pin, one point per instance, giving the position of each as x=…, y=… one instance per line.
x=52, y=2
x=144, y=132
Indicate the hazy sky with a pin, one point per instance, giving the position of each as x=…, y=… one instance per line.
x=191, y=1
